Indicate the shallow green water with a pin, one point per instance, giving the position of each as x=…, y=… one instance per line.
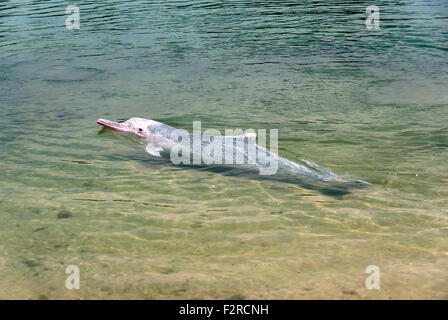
x=367, y=105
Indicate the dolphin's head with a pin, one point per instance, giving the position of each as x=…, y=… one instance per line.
x=137, y=126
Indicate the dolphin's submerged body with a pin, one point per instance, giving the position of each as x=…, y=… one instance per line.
x=235, y=151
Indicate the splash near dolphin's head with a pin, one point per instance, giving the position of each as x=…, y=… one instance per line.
x=137, y=126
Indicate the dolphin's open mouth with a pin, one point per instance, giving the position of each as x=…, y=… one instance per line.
x=113, y=125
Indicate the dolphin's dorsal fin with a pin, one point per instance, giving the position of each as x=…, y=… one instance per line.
x=154, y=150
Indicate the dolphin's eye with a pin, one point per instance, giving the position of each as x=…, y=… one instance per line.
x=140, y=129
